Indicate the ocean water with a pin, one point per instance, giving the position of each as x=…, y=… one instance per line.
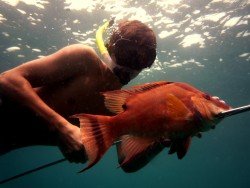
x=202, y=42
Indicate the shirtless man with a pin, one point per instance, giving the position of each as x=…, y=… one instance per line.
x=38, y=97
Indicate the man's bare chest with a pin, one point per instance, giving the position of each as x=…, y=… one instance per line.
x=79, y=95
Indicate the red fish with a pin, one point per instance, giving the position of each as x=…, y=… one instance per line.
x=148, y=118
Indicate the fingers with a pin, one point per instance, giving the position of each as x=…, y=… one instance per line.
x=74, y=156
x=78, y=156
x=71, y=146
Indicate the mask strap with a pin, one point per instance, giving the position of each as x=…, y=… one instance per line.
x=100, y=43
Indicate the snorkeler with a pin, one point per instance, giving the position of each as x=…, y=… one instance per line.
x=38, y=97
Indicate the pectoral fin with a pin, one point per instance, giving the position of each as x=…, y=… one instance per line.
x=135, y=152
x=176, y=108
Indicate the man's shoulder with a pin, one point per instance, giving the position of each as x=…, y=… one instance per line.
x=84, y=54
x=80, y=49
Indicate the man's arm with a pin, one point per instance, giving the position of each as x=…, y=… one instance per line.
x=18, y=83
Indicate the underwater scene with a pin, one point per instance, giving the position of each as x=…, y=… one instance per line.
x=205, y=43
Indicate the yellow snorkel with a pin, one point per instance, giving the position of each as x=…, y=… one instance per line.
x=100, y=43
x=131, y=73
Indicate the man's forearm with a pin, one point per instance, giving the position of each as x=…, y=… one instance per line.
x=19, y=89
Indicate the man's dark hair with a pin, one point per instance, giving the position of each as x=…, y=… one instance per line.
x=133, y=45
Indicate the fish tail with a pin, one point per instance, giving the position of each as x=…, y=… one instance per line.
x=97, y=136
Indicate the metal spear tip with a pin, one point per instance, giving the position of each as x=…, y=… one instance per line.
x=233, y=111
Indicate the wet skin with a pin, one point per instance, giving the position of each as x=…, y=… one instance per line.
x=67, y=86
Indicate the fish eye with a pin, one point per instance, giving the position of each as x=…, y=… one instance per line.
x=207, y=96
x=124, y=106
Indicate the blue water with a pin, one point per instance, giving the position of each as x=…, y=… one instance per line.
x=202, y=42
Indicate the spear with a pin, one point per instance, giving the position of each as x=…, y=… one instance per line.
x=223, y=114
x=233, y=111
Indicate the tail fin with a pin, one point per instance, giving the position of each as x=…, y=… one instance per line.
x=97, y=136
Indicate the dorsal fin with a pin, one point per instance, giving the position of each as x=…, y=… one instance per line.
x=115, y=100
x=148, y=86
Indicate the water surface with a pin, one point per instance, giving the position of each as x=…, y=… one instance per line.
x=202, y=42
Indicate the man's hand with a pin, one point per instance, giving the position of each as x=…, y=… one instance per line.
x=71, y=145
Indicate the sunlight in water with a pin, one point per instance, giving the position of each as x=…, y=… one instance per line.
x=2, y=19
x=193, y=39
x=79, y=5
x=37, y=3
x=11, y=2
x=190, y=27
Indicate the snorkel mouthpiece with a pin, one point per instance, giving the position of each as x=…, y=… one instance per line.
x=100, y=43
